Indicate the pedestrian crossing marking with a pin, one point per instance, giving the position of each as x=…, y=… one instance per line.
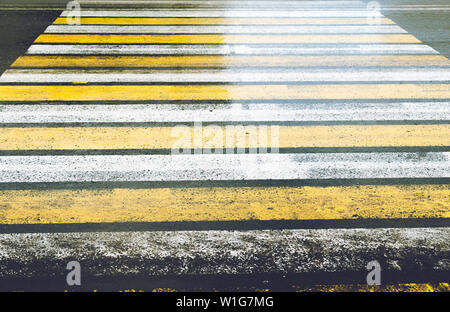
x=223, y=92
x=224, y=204
x=307, y=113
x=220, y=21
x=224, y=39
x=224, y=29
x=231, y=166
x=164, y=138
x=87, y=148
x=229, y=61
x=230, y=49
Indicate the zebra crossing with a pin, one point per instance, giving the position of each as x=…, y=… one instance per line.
x=354, y=164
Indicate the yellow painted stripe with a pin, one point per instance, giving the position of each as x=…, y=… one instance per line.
x=223, y=92
x=162, y=137
x=220, y=21
x=222, y=39
x=224, y=204
x=229, y=61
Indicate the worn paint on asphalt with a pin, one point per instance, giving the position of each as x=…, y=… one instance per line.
x=368, y=142
x=224, y=204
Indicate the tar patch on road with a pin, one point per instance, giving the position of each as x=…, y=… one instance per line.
x=18, y=30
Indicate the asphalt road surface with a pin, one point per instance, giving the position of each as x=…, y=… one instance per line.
x=351, y=120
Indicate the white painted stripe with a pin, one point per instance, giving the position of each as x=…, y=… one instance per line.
x=208, y=75
x=206, y=167
x=223, y=13
x=230, y=49
x=223, y=29
x=153, y=253
x=224, y=112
